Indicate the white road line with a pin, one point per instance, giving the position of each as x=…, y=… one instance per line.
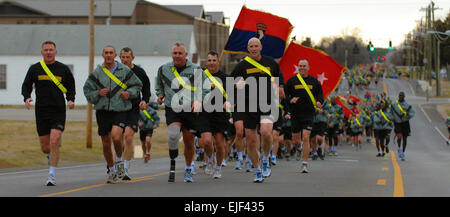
x=410, y=87
x=437, y=129
x=426, y=115
x=43, y=170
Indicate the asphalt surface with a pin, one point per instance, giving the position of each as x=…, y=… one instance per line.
x=426, y=171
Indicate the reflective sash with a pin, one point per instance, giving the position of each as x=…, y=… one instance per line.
x=175, y=72
x=401, y=109
x=148, y=115
x=368, y=117
x=307, y=90
x=114, y=78
x=385, y=116
x=55, y=80
x=357, y=121
x=216, y=83
x=259, y=66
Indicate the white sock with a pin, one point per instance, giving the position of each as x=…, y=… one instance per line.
x=52, y=170
x=112, y=169
x=240, y=158
x=119, y=159
x=126, y=164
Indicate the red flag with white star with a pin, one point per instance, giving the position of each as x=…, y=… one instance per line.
x=321, y=66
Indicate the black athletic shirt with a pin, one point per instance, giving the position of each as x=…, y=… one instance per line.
x=244, y=69
x=304, y=107
x=47, y=93
x=221, y=77
x=145, y=92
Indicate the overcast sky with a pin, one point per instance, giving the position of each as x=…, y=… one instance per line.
x=378, y=20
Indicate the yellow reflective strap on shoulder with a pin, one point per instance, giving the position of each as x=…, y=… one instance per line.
x=307, y=90
x=382, y=113
x=401, y=109
x=357, y=121
x=54, y=79
x=216, y=83
x=114, y=78
x=148, y=115
x=180, y=80
x=259, y=66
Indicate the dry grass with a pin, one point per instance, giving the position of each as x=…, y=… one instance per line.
x=19, y=144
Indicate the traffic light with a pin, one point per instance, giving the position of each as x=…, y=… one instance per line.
x=378, y=58
x=370, y=47
x=390, y=45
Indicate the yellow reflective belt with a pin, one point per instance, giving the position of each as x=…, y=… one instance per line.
x=148, y=115
x=175, y=72
x=55, y=80
x=114, y=78
x=307, y=90
x=259, y=66
x=401, y=109
x=368, y=117
x=216, y=83
x=385, y=116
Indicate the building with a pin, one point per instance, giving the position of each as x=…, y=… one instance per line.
x=21, y=45
x=210, y=29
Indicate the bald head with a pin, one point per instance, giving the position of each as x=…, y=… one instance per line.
x=254, y=48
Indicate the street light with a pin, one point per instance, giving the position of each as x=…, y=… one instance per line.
x=438, y=39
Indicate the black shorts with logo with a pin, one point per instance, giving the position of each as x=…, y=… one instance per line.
x=253, y=119
x=214, y=122
x=133, y=119
x=48, y=118
x=319, y=129
x=188, y=120
x=144, y=133
x=107, y=119
x=382, y=134
x=301, y=124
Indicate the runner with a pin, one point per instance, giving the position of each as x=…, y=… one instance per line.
x=51, y=79
x=403, y=112
x=110, y=87
x=182, y=104
x=148, y=121
x=255, y=67
x=303, y=105
x=140, y=103
x=384, y=121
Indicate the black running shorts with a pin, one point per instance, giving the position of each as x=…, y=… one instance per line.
x=402, y=128
x=49, y=118
x=301, y=124
x=188, y=120
x=132, y=119
x=144, y=133
x=107, y=119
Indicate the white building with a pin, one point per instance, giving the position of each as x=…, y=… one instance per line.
x=20, y=47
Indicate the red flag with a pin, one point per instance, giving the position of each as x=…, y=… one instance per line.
x=347, y=111
x=321, y=66
x=354, y=99
x=272, y=30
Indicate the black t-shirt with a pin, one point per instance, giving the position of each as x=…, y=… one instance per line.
x=47, y=93
x=145, y=92
x=221, y=77
x=246, y=70
x=304, y=107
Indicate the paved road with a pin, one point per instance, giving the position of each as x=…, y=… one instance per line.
x=426, y=172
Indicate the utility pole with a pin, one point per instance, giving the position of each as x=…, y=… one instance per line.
x=91, y=68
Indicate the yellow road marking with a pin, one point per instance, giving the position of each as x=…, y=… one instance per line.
x=138, y=179
x=385, y=169
x=398, y=181
x=381, y=182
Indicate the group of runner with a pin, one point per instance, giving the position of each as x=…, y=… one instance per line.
x=302, y=121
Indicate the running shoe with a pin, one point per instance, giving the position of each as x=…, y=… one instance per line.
x=146, y=158
x=126, y=177
x=172, y=176
x=51, y=180
x=387, y=149
x=120, y=167
x=267, y=172
x=238, y=165
x=111, y=178
x=188, y=176
x=217, y=174
x=194, y=170
x=304, y=168
x=248, y=166
x=274, y=160
x=209, y=168
x=224, y=163
x=402, y=156
x=258, y=177
x=379, y=155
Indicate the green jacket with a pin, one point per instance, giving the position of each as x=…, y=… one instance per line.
x=399, y=117
x=165, y=77
x=98, y=80
x=147, y=122
x=355, y=127
x=318, y=118
x=381, y=123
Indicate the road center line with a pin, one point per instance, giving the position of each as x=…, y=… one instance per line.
x=398, y=181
